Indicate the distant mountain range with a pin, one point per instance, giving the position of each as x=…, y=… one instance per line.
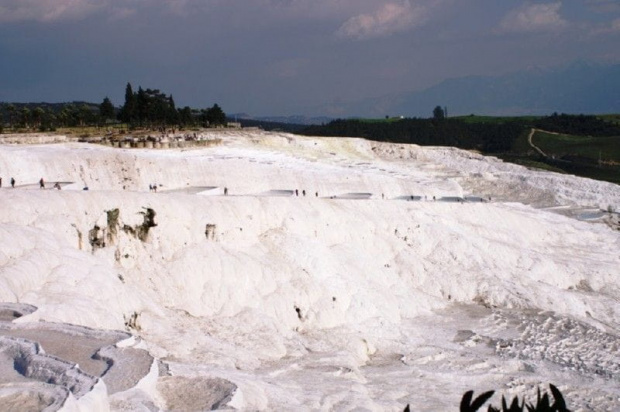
x=578, y=88
x=581, y=87
x=296, y=119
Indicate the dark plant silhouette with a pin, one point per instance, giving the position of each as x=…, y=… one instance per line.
x=468, y=406
x=543, y=403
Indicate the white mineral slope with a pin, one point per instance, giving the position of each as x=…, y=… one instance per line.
x=508, y=181
x=317, y=303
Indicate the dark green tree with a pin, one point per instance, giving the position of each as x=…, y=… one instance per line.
x=66, y=117
x=172, y=115
x=106, y=110
x=185, y=116
x=85, y=115
x=128, y=111
x=48, y=120
x=25, y=117
x=438, y=113
x=37, y=116
x=11, y=111
x=142, y=106
x=215, y=116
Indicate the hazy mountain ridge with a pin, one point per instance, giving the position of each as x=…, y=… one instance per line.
x=294, y=119
x=578, y=88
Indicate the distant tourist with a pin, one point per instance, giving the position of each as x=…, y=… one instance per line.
x=150, y=187
x=303, y=192
x=57, y=185
x=12, y=182
x=155, y=188
x=296, y=192
x=41, y=184
x=225, y=191
x=0, y=182
x=316, y=194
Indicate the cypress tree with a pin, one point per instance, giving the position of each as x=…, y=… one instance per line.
x=128, y=112
x=142, y=106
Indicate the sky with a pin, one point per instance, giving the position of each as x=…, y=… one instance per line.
x=285, y=57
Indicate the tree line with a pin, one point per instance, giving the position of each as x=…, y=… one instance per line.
x=579, y=125
x=148, y=108
x=152, y=108
x=485, y=137
x=46, y=116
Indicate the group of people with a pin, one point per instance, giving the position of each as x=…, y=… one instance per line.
x=153, y=188
x=303, y=193
x=12, y=182
x=41, y=183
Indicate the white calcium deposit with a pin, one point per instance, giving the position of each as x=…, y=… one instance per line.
x=351, y=297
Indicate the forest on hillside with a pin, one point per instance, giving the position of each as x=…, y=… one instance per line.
x=488, y=138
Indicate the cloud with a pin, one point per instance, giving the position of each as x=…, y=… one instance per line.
x=390, y=18
x=120, y=13
x=47, y=10
x=612, y=27
x=604, y=6
x=543, y=17
x=290, y=68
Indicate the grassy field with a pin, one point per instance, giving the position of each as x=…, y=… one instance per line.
x=594, y=148
x=613, y=118
x=90, y=131
x=71, y=131
x=578, y=155
x=593, y=157
x=495, y=119
x=380, y=120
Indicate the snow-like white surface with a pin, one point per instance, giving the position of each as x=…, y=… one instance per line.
x=333, y=300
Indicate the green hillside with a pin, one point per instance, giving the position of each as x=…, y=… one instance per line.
x=597, y=157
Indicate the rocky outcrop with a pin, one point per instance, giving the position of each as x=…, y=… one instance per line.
x=102, y=235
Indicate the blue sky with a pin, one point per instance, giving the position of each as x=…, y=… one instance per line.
x=286, y=56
